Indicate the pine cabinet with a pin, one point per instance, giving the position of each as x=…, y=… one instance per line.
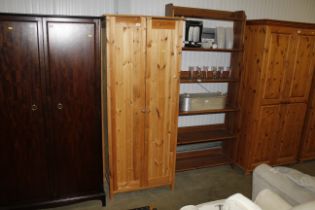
x=279, y=65
x=142, y=84
x=308, y=145
x=50, y=148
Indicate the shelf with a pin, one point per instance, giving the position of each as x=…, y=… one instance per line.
x=198, y=134
x=200, y=159
x=184, y=78
x=207, y=81
x=171, y=10
x=210, y=111
x=210, y=50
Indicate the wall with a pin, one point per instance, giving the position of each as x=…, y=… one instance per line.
x=294, y=10
x=59, y=7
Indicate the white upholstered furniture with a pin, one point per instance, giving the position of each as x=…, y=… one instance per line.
x=291, y=185
x=278, y=188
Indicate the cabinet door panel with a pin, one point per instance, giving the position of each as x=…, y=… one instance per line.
x=301, y=67
x=22, y=139
x=72, y=55
x=266, y=134
x=126, y=97
x=162, y=87
x=273, y=75
x=291, y=129
x=308, y=147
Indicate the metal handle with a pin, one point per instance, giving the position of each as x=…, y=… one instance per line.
x=59, y=106
x=34, y=107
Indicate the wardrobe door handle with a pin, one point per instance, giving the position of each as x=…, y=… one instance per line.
x=59, y=106
x=34, y=107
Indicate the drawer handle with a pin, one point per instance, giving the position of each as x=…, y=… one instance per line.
x=59, y=106
x=34, y=107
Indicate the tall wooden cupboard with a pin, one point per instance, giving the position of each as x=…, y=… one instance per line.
x=143, y=56
x=308, y=144
x=279, y=65
x=50, y=129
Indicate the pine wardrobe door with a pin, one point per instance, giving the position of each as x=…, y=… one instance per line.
x=23, y=162
x=125, y=101
x=72, y=54
x=164, y=40
x=301, y=67
x=278, y=44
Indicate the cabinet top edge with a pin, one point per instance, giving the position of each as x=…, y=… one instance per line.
x=280, y=23
x=29, y=15
x=145, y=16
x=203, y=13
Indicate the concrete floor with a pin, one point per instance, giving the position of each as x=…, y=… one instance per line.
x=192, y=187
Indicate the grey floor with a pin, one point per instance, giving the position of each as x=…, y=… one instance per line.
x=192, y=187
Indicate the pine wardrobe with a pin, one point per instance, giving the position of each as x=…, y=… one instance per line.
x=279, y=66
x=141, y=61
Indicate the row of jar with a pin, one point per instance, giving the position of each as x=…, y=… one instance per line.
x=206, y=72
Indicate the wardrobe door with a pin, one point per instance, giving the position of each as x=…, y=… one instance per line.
x=162, y=90
x=287, y=145
x=126, y=101
x=278, y=45
x=23, y=162
x=72, y=53
x=265, y=135
x=300, y=69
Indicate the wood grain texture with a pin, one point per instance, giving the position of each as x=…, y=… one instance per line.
x=72, y=55
x=301, y=68
x=267, y=132
x=126, y=40
x=162, y=91
x=276, y=60
x=287, y=146
x=276, y=65
x=23, y=151
x=255, y=54
x=307, y=151
x=143, y=62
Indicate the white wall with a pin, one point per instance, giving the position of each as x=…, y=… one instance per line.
x=58, y=7
x=294, y=10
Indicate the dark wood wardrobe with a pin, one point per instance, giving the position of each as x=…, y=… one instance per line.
x=50, y=126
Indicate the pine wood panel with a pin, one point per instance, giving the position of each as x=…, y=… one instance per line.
x=266, y=134
x=162, y=90
x=300, y=69
x=278, y=72
x=287, y=146
x=126, y=100
x=273, y=76
x=255, y=54
x=308, y=145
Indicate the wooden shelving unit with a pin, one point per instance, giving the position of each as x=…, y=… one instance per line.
x=227, y=133
x=199, y=134
x=210, y=50
x=200, y=159
x=184, y=78
x=210, y=111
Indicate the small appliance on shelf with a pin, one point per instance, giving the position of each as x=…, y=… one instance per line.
x=193, y=33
